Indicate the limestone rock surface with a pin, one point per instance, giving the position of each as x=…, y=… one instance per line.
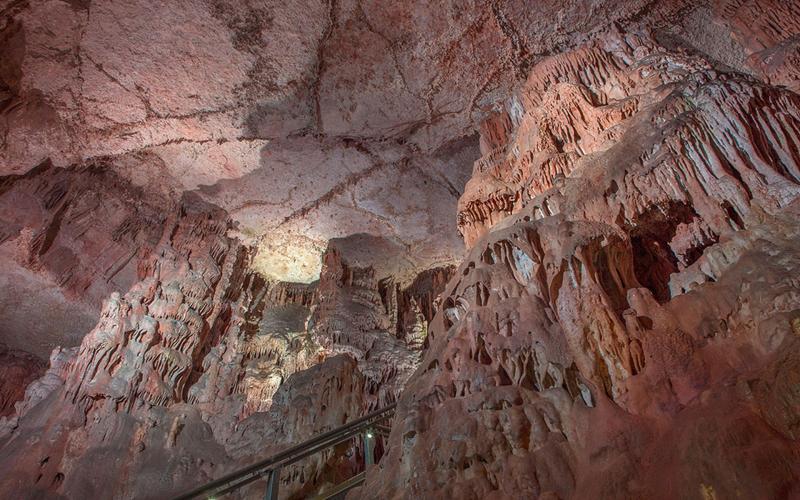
x=17, y=370
x=628, y=300
x=561, y=235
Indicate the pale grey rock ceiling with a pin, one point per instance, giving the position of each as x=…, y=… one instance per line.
x=307, y=120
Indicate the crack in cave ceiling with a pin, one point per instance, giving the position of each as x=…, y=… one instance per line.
x=557, y=237
x=305, y=120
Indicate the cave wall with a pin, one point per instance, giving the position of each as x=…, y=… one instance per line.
x=625, y=322
x=68, y=239
x=201, y=366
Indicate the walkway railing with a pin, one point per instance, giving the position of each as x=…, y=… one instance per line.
x=270, y=468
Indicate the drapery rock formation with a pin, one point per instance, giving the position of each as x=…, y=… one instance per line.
x=69, y=238
x=625, y=324
x=561, y=236
x=200, y=348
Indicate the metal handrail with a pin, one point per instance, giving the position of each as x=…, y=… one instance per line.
x=342, y=487
x=274, y=463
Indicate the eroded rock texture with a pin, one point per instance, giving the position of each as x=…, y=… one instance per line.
x=625, y=323
x=203, y=366
x=17, y=370
x=139, y=361
x=231, y=226
x=69, y=238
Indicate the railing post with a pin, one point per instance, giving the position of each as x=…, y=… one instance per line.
x=272, y=484
x=369, y=447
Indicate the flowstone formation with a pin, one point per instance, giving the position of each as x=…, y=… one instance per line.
x=560, y=235
x=203, y=365
x=626, y=321
x=68, y=239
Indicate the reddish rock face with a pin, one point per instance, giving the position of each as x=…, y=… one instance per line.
x=17, y=370
x=234, y=226
x=202, y=349
x=69, y=238
x=629, y=278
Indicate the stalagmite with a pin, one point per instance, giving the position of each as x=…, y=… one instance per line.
x=555, y=241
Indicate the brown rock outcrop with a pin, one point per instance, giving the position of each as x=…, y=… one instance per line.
x=625, y=322
x=620, y=322
x=768, y=33
x=204, y=349
x=72, y=237
x=127, y=384
x=310, y=402
x=418, y=302
x=17, y=370
x=352, y=317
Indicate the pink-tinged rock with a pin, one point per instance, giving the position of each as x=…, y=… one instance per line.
x=624, y=323
x=17, y=370
x=627, y=304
